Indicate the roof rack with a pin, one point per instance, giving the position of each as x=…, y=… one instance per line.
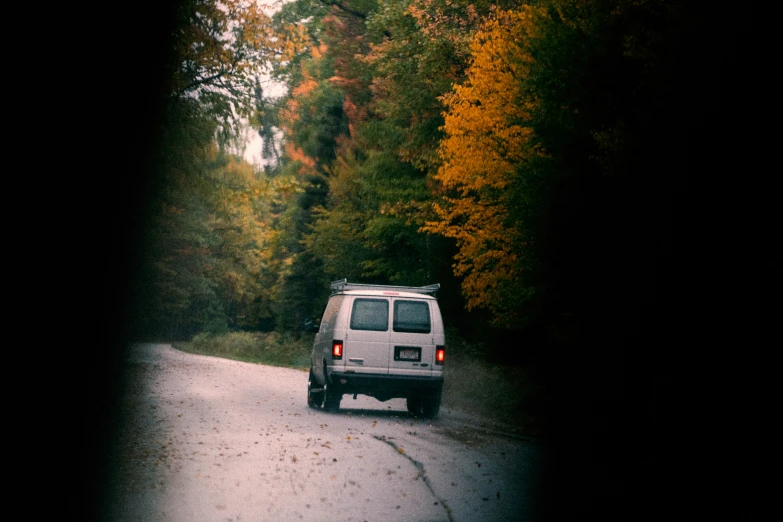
x=343, y=285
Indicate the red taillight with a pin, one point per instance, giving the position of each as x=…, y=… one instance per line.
x=337, y=349
x=440, y=354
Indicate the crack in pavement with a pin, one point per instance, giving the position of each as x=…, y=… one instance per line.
x=422, y=472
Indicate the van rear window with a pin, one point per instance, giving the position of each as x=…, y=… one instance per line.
x=411, y=316
x=370, y=314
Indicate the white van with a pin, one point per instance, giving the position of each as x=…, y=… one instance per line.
x=382, y=341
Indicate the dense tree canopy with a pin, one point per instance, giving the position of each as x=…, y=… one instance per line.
x=485, y=145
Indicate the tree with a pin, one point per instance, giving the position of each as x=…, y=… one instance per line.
x=359, y=235
x=220, y=48
x=488, y=144
x=418, y=50
x=210, y=243
x=211, y=225
x=366, y=122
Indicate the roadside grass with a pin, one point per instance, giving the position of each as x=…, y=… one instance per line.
x=498, y=394
x=270, y=348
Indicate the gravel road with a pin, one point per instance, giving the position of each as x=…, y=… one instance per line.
x=213, y=439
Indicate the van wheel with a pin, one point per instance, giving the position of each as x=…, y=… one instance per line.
x=414, y=405
x=314, y=399
x=430, y=406
x=331, y=399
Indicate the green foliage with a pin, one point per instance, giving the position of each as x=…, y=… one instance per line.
x=341, y=139
x=376, y=243
x=362, y=124
x=210, y=248
x=419, y=51
x=271, y=348
x=320, y=123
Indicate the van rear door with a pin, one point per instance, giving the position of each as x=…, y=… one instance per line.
x=412, y=346
x=367, y=338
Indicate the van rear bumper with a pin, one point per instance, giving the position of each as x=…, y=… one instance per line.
x=384, y=387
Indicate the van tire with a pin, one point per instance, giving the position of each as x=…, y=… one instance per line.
x=430, y=407
x=314, y=399
x=414, y=406
x=331, y=399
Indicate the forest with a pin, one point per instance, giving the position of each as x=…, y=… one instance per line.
x=590, y=182
x=510, y=151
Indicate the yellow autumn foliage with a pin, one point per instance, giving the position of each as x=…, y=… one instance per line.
x=487, y=139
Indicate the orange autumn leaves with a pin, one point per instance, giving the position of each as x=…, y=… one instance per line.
x=487, y=140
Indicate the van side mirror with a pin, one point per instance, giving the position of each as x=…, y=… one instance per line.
x=311, y=325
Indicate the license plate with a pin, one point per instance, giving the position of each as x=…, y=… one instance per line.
x=407, y=354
